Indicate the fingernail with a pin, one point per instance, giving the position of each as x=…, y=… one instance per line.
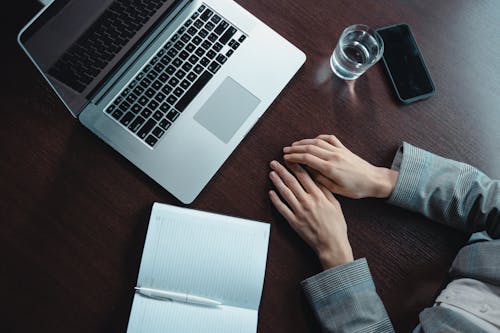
x=274, y=164
x=286, y=149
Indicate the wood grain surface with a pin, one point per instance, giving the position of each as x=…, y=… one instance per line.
x=74, y=212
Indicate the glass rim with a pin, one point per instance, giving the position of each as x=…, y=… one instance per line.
x=371, y=31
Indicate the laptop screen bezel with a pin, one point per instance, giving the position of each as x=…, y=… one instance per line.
x=49, y=12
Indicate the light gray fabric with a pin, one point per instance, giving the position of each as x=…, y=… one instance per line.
x=344, y=298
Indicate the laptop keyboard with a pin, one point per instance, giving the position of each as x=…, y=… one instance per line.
x=85, y=59
x=161, y=91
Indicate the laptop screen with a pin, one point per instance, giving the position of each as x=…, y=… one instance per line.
x=77, y=44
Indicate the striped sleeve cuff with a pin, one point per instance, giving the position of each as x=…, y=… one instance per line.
x=411, y=162
x=337, y=279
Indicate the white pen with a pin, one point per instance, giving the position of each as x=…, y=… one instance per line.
x=175, y=296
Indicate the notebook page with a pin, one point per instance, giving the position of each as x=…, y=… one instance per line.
x=153, y=316
x=204, y=254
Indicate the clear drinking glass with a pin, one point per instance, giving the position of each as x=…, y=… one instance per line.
x=358, y=48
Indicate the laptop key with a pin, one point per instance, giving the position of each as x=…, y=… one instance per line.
x=136, y=108
x=213, y=37
x=165, y=124
x=166, y=89
x=146, y=128
x=153, y=105
x=221, y=27
x=227, y=35
x=205, y=61
x=150, y=92
x=198, y=69
x=117, y=114
x=171, y=99
x=214, y=67
x=193, y=91
x=178, y=92
x=197, y=40
x=172, y=115
x=170, y=69
x=151, y=140
x=146, y=113
x=200, y=52
x=180, y=74
x=192, y=76
x=164, y=107
x=173, y=81
x=136, y=124
x=209, y=26
x=185, y=84
x=111, y=108
x=206, y=14
x=221, y=58
x=187, y=66
x=131, y=98
x=157, y=84
x=127, y=118
x=158, y=132
x=198, y=24
x=202, y=33
x=160, y=97
x=217, y=47
x=216, y=18
x=124, y=106
x=193, y=59
x=211, y=54
x=157, y=115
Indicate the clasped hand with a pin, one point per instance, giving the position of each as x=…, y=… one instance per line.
x=309, y=205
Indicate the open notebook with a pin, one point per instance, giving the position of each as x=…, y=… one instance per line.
x=203, y=254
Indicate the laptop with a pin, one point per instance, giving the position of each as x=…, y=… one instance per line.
x=172, y=85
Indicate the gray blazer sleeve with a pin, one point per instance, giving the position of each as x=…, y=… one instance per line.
x=344, y=298
x=446, y=191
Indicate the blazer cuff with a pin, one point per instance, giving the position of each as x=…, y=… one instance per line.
x=337, y=279
x=412, y=163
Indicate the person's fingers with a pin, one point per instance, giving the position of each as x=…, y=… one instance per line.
x=284, y=191
x=316, y=142
x=328, y=194
x=288, y=179
x=304, y=179
x=331, y=139
x=310, y=160
x=308, y=149
x=282, y=208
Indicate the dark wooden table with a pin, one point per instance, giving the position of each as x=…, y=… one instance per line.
x=74, y=212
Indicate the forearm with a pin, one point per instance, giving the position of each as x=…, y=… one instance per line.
x=446, y=191
x=344, y=299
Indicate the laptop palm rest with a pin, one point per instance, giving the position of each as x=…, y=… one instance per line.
x=227, y=109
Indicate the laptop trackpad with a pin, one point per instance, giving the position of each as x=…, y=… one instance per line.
x=227, y=109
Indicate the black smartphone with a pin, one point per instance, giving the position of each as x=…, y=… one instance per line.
x=405, y=65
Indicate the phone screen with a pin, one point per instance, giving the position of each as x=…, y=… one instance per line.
x=404, y=64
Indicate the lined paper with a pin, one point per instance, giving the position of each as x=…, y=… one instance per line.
x=153, y=316
x=203, y=254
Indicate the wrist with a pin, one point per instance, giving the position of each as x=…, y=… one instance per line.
x=334, y=258
x=385, y=182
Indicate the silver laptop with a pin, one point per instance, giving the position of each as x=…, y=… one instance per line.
x=173, y=85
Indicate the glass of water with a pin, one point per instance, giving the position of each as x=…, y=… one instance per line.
x=359, y=47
